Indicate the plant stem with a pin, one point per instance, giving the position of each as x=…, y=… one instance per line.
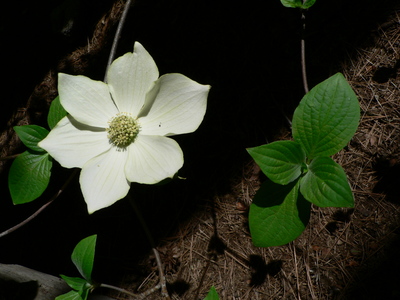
x=36, y=213
x=163, y=285
x=108, y=286
x=136, y=296
x=303, y=53
x=117, y=36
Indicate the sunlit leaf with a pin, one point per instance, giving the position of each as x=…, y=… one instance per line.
x=326, y=118
x=308, y=4
x=75, y=283
x=71, y=295
x=325, y=184
x=212, y=294
x=281, y=161
x=31, y=135
x=56, y=113
x=298, y=3
x=29, y=176
x=83, y=256
x=292, y=3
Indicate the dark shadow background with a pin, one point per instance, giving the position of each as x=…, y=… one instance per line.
x=248, y=52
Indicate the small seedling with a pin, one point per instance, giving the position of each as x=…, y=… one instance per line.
x=301, y=172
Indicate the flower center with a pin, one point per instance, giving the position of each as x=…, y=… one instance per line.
x=123, y=130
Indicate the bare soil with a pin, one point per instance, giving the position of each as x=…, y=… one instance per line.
x=201, y=223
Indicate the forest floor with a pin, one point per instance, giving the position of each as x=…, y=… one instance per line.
x=343, y=253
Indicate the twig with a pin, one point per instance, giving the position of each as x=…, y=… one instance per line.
x=136, y=296
x=117, y=36
x=296, y=270
x=303, y=53
x=108, y=286
x=149, y=291
x=163, y=284
x=31, y=217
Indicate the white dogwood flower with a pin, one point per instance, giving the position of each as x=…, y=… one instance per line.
x=117, y=132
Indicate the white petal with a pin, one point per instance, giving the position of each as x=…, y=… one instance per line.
x=152, y=159
x=87, y=100
x=130, y=77
x=72, y=144
x=103, y=180
x=178, y=106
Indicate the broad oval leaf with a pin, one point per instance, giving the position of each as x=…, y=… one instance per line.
x=80, y=285
x=212, y=294
x=281, y=161
x=325, y=184
x=56, y=112
x=327, y=117
x=75, y=283
x=83, y=256
x=29, y=176
x=71, y=295
x=31, y=135
x=278, y=214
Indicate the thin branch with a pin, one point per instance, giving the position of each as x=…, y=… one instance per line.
x=108, y=286
x=140, y=296
x=163, y=282
x=303, y=54
x=117, y=36
x=36, y=213
x=296, y=270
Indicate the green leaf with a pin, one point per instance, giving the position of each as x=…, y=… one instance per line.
x=292, y=3
x=308, y=4
x=83, y=256
x=84, y=293
x=56, y=112
x=31, y=135
x=281, y=161
x=325, y=184
x=326, y=118
x=278, y=214
x=75, y=283
x=212, y=294
x=78, y=284
x=29, y=176
x=298, y=3
x=71, y=295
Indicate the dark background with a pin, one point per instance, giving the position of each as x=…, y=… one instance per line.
x=249, y=53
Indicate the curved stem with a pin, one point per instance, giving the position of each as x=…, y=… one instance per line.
x=117, y=36
x=36, y=213
x=163, y=283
